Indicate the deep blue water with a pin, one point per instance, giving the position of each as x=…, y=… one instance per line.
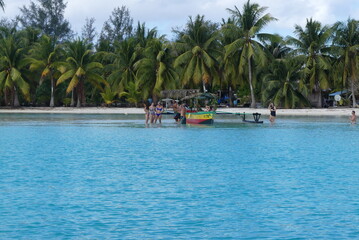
x=112, y=177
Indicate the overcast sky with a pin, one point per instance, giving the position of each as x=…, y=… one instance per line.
x=166, y=14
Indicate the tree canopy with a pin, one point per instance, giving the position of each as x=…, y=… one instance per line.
x=42, y=62
x=48, y=17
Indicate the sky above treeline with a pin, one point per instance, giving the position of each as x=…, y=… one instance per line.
x=167, y=14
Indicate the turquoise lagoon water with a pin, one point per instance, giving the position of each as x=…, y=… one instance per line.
x=112, y=177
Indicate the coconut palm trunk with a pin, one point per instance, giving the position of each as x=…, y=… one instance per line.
x=72, y=104
x=16, y=98
x=83, y=97
x=6, y=98
x=353, y=92
x=230, y=95
x=253, y=103
x=78, y=101
x=52, y=101
x=204, y=87
x=78, y=96
x=318, y=93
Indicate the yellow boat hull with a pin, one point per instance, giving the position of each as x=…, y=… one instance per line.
x=199, y=118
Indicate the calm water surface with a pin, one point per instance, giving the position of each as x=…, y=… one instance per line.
x=112, y=177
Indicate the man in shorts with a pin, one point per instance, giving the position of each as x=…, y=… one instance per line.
x=183, y=112
x=176, y=111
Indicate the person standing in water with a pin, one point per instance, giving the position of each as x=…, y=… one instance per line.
x=272, y=114
x=176, y=110
x=159, y=111
x=152, y=111
x=147, y=112
x=353, y=118
x=183, y=112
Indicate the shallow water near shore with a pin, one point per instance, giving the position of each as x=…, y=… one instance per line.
x=83, y=176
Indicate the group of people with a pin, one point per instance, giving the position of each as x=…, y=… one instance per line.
x=153, y=113
x=180, y=111
x=209, y=109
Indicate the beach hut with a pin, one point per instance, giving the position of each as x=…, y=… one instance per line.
x=335, y=97
x=167, y=100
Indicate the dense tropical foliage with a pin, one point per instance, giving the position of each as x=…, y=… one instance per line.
x=249, y=22
x=12, y=62
x=42, y=63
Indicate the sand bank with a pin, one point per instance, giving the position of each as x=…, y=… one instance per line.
x=104, y=110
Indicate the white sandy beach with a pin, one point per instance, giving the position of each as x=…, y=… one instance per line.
x=104, y=110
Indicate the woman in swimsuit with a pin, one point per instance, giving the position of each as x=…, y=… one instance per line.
x=152, y=112
x=159, y=111
x=272, y=114
x=147, y=112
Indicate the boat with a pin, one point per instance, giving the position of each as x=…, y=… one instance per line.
x=193, y=117
x=199, y=117
x=256, y=118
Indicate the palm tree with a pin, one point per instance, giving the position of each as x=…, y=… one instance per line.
x=44, y=57
x=12, y=67
x=122, y=67
x=142, y=35
x=230, y=77
x=197, y=47
x=155, y=71
x=277, y=48
x=347, y=40
x=132, y=93
x=312, y=45
x=281, y=84
x=2, y=4
x=250, y=22
x=80, y=67
x=108, y=96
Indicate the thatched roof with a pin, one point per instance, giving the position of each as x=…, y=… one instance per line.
x=178, y=93
x=200, y=96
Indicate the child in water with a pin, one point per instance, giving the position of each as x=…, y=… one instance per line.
x=353, y=118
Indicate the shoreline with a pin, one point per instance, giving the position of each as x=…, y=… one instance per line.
x=105, y=110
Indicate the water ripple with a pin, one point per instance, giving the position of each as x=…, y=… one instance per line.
x=112, y=177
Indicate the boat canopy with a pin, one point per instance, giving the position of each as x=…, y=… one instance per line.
x=338, y=93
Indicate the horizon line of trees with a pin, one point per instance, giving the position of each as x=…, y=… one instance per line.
x=42, y=63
